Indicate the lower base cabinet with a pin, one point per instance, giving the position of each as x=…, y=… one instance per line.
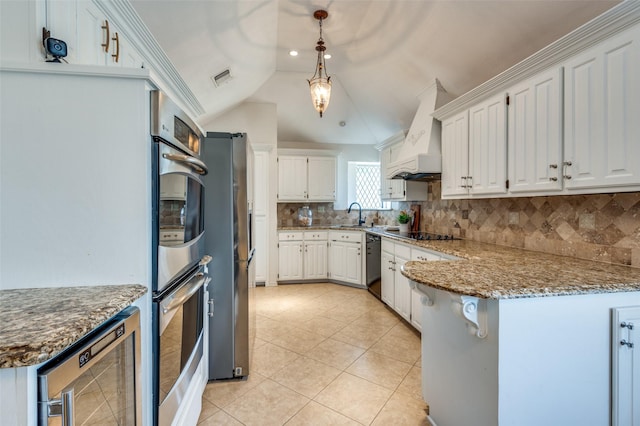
x=396, y=289
x=320, y=255
x=302, y=256
x=345, y=257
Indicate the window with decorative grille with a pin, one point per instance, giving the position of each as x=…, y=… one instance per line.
x=364, y=183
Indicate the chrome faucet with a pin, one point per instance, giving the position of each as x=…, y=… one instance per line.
x=360, y=220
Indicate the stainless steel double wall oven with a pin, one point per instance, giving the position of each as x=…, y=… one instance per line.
x=179, y=261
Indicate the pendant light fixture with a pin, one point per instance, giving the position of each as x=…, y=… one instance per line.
x=320, y=83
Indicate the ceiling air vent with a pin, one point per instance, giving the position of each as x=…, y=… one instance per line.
x=222, y=77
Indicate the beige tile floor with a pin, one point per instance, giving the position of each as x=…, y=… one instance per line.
x=324, y=354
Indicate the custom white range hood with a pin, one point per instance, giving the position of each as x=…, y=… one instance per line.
x=420, y=156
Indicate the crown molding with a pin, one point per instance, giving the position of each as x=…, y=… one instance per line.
x=122, y=13
x=392, y=140
x=611, y=22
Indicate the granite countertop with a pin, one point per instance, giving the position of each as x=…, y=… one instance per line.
x=498, y=272
x=346, y=227
x=36, y=324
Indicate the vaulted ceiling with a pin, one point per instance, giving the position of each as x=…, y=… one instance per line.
x=383, y=54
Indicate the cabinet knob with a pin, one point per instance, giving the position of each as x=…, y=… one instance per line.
x=567, y=163
x=553, y=166
x=553, y=179
x=567, y=177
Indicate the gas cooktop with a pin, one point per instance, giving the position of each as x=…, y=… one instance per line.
x=425, y=236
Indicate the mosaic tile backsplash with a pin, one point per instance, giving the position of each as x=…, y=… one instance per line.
x=599, y=227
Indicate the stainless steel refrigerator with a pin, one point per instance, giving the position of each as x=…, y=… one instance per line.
x=228, y=238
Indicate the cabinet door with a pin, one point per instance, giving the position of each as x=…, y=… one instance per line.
x=402, y=291
x=292, y=178
x=387, y=272
x=535, y=134
x=397, y=189
x=62, y=20
x=290, y=260
x=92, y=35
x=416, y=310
x=337, y=260
x=602, y=106
x=261, y=258
x=321, y=179
x=261, y=183
x=455, y=156
x=315, y=260
x=488, y=147
x=353, y=263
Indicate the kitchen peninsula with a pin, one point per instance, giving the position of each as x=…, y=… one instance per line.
x=511, y=336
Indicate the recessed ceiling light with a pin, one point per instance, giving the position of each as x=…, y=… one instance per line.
x=327, y=56
x=293, y=53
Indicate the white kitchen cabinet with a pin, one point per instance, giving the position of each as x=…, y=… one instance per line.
x=488, y=147
x=455, y=155
x=416, y=302
x=292, y=178
x=261, y=243
x=399, y=189
x=315, y=255
x=302, y=255
x=306, y=178
x=602, y=110
x=396, y=291
x=290, y=248
x=321, y=178
x=290, y=260
x=402, y=289
x=535, y=134
x=91, y=38
x=345, y=257
x=387, y=272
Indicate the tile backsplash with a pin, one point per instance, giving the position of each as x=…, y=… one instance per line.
x=599, y=227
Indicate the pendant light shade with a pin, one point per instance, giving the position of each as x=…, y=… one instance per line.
x=320, y=83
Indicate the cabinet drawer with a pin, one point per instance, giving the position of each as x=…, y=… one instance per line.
x=316, y=236
x=403, y=251
x=290, y=236
x=388, y=246
x=354, y=237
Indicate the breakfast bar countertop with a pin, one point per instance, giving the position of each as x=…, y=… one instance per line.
x=36, y=324
x=498, y=272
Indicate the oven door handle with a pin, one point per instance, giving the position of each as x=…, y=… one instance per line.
x=192, y=162
x=176, y=300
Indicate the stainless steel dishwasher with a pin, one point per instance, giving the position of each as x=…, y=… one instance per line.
x=373, y=264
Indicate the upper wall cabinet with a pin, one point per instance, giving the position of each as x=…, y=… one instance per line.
x=602, y=115
x=91, y=38
x=302, y=178
x=488, y=147
x=474, y=151
x=571, y=125
x=535, y=134
x=455, y=155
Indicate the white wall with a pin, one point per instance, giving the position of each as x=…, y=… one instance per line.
x=74, y=180
x=259, y=122
x=346, y=153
